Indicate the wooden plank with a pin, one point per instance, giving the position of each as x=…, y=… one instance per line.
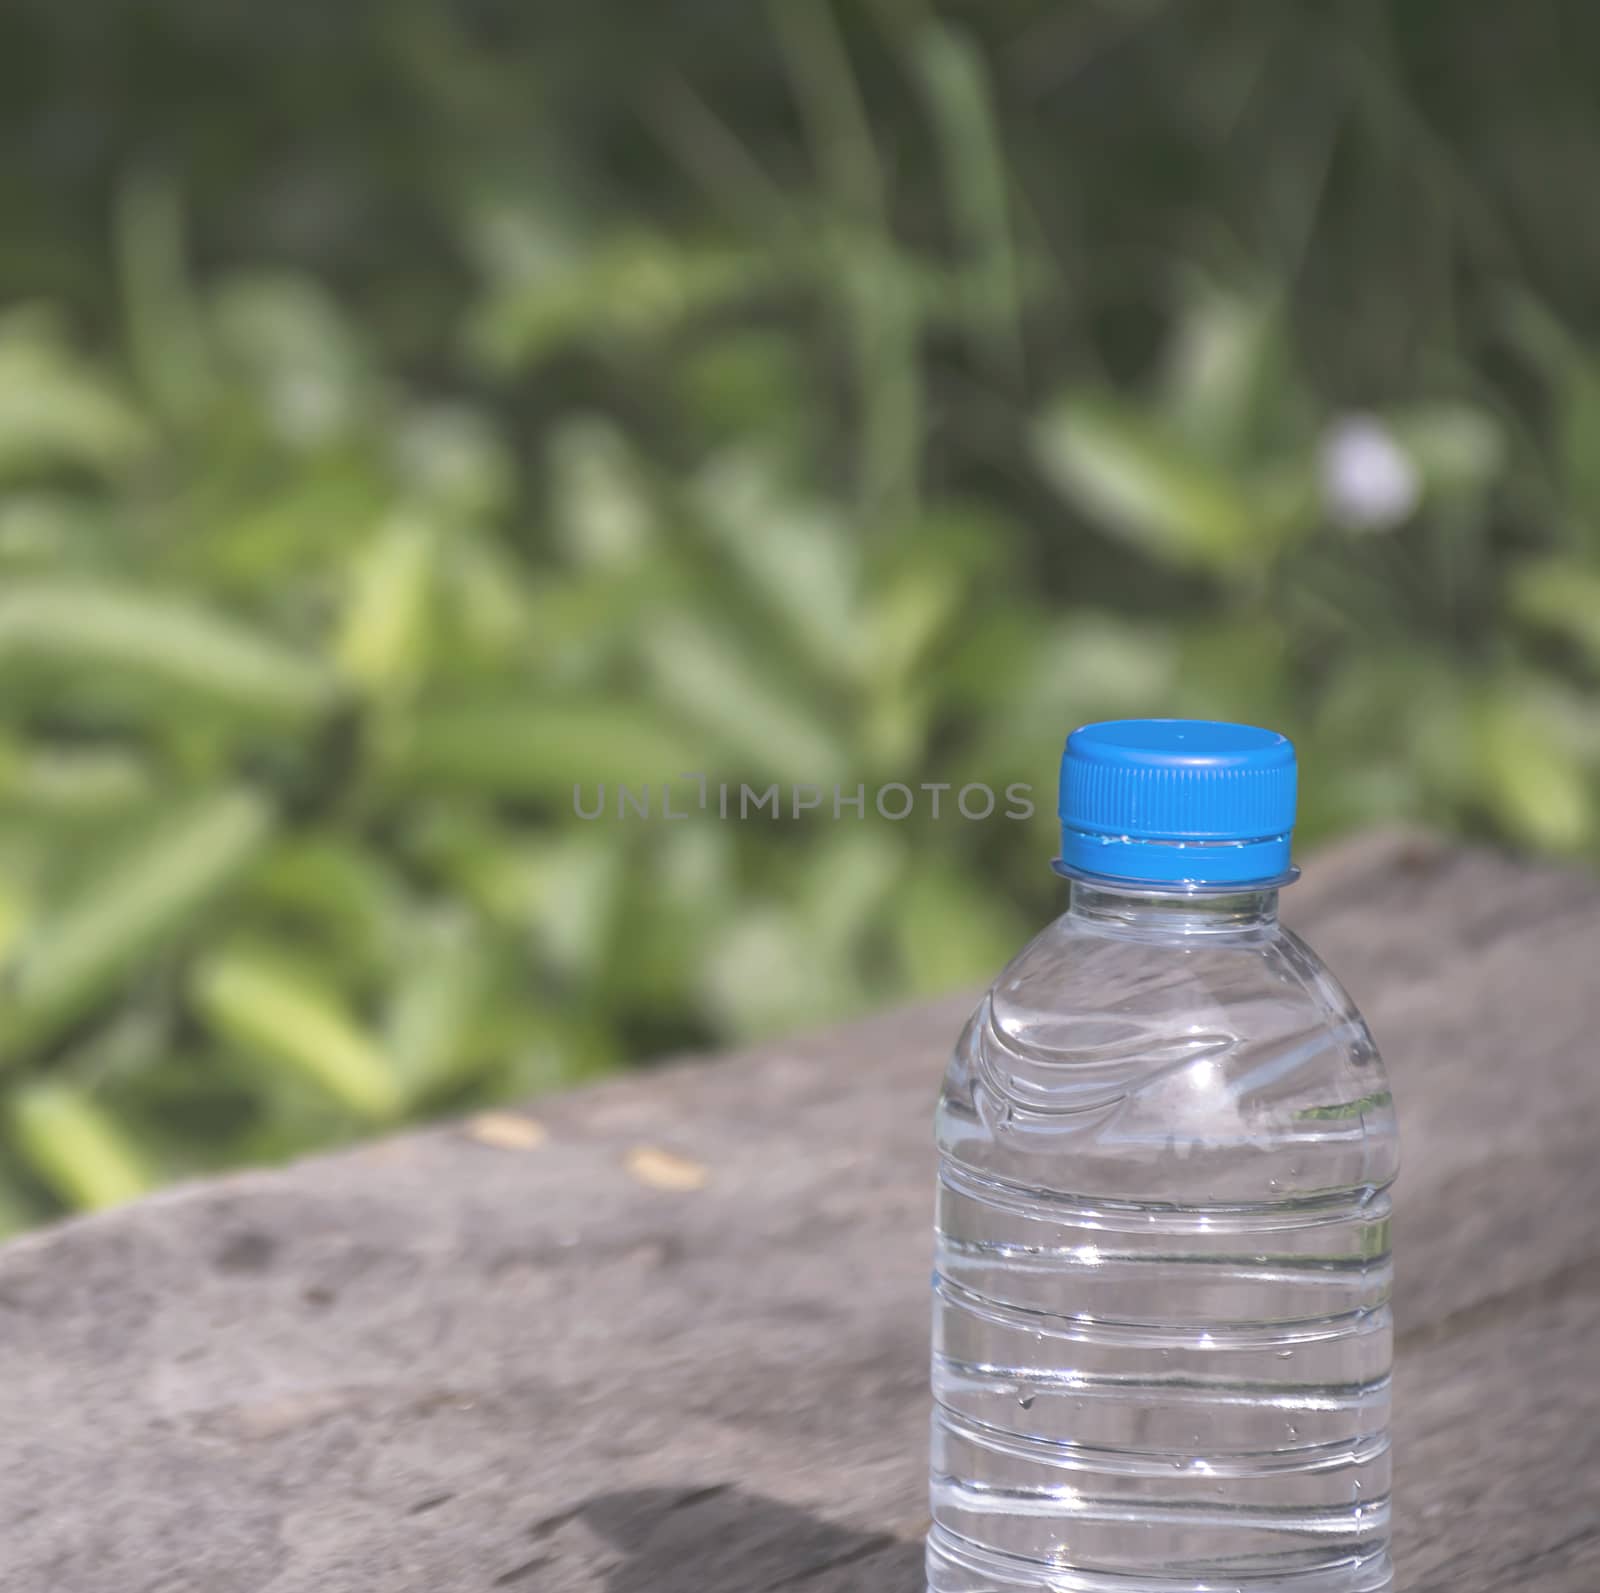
x=486, y=1358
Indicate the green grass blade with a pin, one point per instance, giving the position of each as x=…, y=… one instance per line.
x=769, y=724
x=164, y=324
x=1139, y=485
x=805, y=568
x=268, y=1008
x=519, y=748
x=831, y=105
x=55, y=407
x=147, y=896
x=75, y=1147
x=164, y=640
x=443, y=980
x=955, y=83
x=383, y=641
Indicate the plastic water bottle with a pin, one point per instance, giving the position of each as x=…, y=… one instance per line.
x=1162, y=1331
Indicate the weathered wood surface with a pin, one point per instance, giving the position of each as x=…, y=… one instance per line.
x=447, y=1366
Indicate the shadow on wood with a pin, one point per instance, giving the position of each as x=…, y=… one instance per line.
x=723, y=1540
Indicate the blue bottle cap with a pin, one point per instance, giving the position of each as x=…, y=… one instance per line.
x=1186, y=802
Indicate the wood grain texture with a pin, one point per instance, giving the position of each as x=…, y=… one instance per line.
x=677, y=1342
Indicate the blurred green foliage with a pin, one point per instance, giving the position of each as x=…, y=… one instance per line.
x=408, y=412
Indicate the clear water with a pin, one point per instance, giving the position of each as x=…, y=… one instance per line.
x=1162, y=1332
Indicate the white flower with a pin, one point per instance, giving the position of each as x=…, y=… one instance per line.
x=1369, y=482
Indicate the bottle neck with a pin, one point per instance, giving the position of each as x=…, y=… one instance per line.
x=1151, y=910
